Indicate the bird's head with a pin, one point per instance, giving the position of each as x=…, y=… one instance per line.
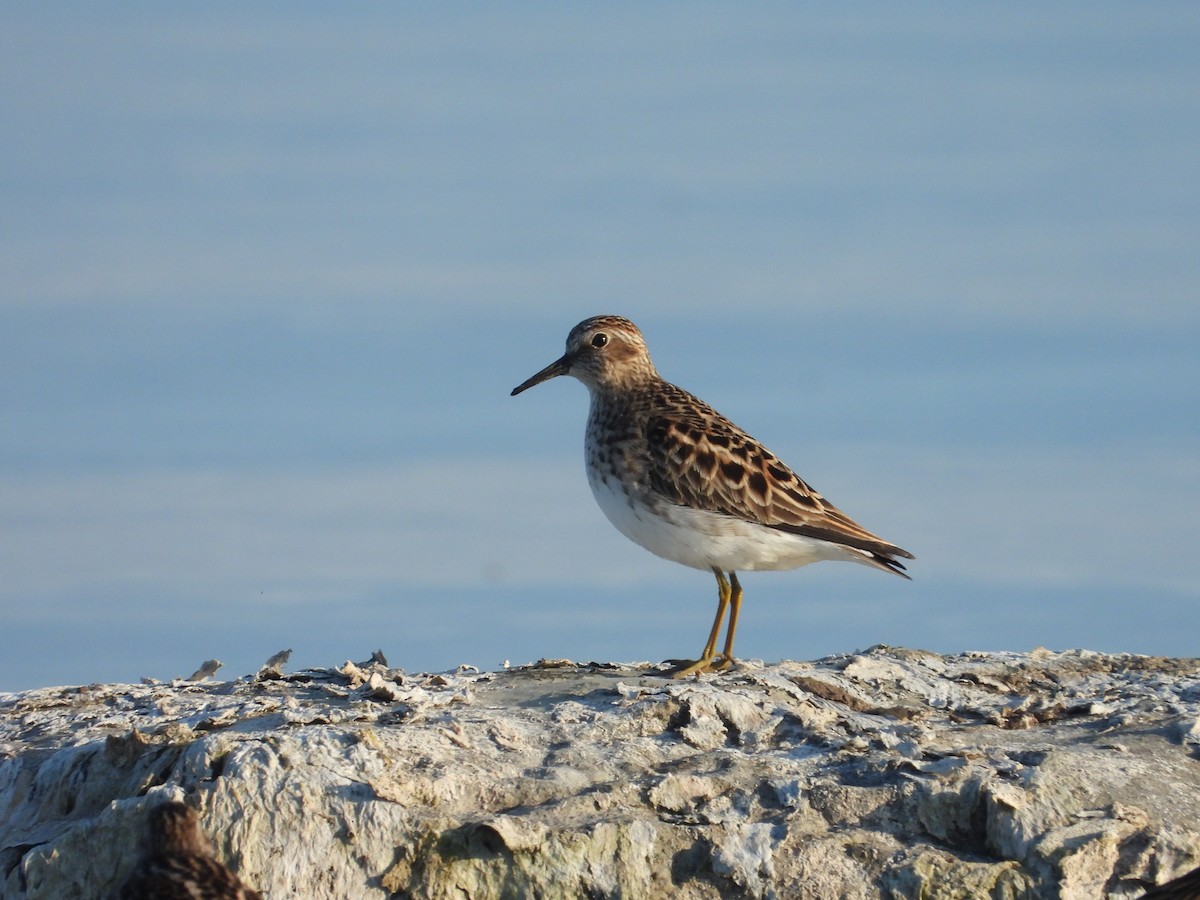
x=606, y=351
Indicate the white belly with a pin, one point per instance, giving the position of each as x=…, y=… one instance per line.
x=703, y=539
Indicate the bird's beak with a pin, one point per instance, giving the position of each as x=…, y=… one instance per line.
x=560, y=366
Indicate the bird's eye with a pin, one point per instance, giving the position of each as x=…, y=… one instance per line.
x=599, y=340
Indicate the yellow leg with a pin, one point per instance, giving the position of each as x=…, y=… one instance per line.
x=735, y=610
x=708, y=658
x=710, y=648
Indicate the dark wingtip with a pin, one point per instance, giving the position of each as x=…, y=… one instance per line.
x=892, y=565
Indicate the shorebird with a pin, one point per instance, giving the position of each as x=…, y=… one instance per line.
x=273, y=667
x=207, y=669
x=181, y=865
x=678, y=478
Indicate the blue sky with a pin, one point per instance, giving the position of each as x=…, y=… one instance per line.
x=270, y=273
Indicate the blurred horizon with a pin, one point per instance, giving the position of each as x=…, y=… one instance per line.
x=270, y=276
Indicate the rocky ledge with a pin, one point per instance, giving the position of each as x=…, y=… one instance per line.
x=886, y=773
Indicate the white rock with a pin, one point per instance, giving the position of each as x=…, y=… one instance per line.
x=891, y=772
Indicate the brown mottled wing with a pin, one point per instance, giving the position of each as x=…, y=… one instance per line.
x=701, y=459
x=186, y=877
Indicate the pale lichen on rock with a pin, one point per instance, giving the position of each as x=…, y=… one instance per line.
x=887, y=773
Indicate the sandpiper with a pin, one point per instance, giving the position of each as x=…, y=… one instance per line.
x=182, y=864
x=678, y=478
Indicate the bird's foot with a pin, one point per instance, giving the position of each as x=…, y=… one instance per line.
x=704, y=664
